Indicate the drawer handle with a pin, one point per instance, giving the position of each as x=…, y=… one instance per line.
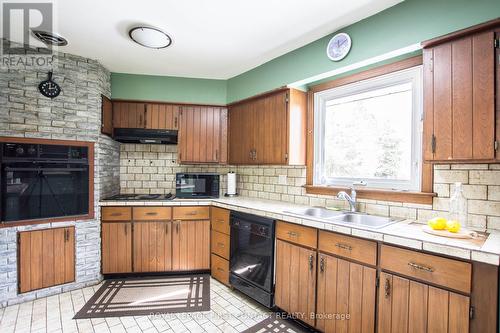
x=343, y=246
x=387, y=288
x=421, y=267
x=220, y=244
x=293, y=234
x=192, y=213
x=152, y=213
x=220, y=269
x=220, y=221
x=116, y=214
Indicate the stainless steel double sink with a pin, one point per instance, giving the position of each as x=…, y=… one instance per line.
x=343, y=217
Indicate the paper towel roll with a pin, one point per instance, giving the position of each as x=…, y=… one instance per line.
x=231, y=183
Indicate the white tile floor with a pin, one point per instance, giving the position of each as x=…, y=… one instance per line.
x=230, y=312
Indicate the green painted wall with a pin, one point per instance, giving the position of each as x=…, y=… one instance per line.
x=407, y=23
x=168, y=88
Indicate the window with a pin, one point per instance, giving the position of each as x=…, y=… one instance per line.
x=369, y=132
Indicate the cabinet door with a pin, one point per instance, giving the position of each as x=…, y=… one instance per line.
x=106, y=116
x=242, y=134
x=200, y=132
x=295, y=286
x=152, y=246
x=459, y=100
x=271, y=119
x=116, y=247
x=413, y=307
x=46, y=258
x=129, y=115
x=345, y=288
x=162, y=116
x=191, y=245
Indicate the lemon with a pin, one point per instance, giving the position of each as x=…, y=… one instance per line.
x=453, y=226
x=437, y=223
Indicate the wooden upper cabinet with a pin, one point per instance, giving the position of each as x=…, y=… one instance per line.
x=459, y=99
x=269, y=129
x=106, y=116
x=203, y=134
x=162, y=116
x=409, y=306
x=46, y=258
x=129, y=115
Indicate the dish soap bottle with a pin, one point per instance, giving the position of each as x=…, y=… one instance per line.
x=458, y=206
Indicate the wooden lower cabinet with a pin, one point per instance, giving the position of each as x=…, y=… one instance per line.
x=408, y=306
x=152, y=246
x=116, y=247
x=295, y=287
x=191, y=245
x=46, y=258
x=345, y=288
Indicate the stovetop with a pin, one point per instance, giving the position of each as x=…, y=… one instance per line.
x=127, y=197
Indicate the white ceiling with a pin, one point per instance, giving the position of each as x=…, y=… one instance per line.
x=211, y=38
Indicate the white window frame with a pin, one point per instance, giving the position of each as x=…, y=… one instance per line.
x=412, y=75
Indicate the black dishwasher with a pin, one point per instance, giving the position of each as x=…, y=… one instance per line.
x=251, y=262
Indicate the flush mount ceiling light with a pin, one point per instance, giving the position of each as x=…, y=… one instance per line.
x=50, y=38
x=150, y=37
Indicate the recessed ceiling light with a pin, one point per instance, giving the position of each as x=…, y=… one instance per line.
x=150, y=37
x=50, y=38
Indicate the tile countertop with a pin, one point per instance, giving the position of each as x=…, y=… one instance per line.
x=406, y=233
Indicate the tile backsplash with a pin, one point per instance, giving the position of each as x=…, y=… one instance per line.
x=152, y=168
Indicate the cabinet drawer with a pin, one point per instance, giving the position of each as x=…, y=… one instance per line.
x=448, y=273
x=151, y=213
x=220, y=220
x=220, y=269
x=297, y=234
x=116, y=213
x=361, y=250
x=191, y=213
x=220, y=244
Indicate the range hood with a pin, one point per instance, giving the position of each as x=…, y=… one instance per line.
x=139, y=135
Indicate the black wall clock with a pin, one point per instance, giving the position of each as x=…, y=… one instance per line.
x=49, y=88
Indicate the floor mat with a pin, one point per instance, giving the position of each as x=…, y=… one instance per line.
x=149, y=296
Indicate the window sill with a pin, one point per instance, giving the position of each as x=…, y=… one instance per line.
x=376, y=194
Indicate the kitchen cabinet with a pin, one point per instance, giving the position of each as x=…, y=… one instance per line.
x=295, y=287
x=459, y=99
x=220, y=244
x=152, y=246
x=106, y=116
x=203, y=134
x=269, y=129
x=409, y=306
x=190, y=238
x=46, y=258
x=345, y=288
x=129, y=115
x=162, y=116
x=116, y=241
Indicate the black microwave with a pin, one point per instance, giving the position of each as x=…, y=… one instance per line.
x=196, y=185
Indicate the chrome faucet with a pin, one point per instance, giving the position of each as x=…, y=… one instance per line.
x=351, y=199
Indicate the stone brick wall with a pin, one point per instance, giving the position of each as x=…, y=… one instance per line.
x=152, y=168
x=74, y=115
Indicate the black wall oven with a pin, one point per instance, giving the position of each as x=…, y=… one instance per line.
x=251, y=261
x=40, y=181
x=196, y=185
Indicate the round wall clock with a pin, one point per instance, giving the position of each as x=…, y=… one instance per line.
x=49, y=88
x=339, y=46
